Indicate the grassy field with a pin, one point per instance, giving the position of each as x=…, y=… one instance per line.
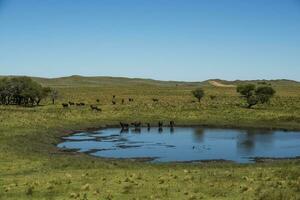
x=31, y=167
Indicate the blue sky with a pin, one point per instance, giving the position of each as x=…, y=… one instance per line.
x=190, y=40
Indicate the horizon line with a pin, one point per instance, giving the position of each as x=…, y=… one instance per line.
x=152, y=79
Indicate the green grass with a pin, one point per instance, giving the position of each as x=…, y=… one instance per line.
x=31, y=167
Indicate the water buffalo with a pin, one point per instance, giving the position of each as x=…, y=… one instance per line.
x=124, y=126
x=172, y=124
x=96, y=108
x=136, y=124
x=71, y=103
x=160, y=124
x=212, y=97
x=65, y=105
x=155, y=100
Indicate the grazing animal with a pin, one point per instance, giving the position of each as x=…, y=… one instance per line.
x=148, y=125
x=124, y=126
x=212, y=97
x=78, y=104
x=97, y=100
x=96, y=108
x=65, y=105
x=136, y=124
x=130, y=99
x=172, y=123
x=82, y=104
x=155, y=100
x=123, y=101
x=71, y=103
x=160, y=124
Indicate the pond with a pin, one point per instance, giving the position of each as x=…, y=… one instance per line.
x=183, y=144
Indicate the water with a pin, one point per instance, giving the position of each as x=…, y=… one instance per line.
x=186, y=144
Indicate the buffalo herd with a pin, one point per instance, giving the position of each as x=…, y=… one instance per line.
x=137, y=126
x=124, y=126
x=96, y=108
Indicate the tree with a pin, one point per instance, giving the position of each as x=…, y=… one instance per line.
x=252, y=101
x=264, y=94
x=246, y=90
x=21, y=91
x=54, y=95
x=254, y=95
x=42, y=93
x=198, y=93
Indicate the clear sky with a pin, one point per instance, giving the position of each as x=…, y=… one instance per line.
x=190, y=40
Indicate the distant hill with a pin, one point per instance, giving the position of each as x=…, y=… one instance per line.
x=84, y=81
x=278, y=82
x=76, y=80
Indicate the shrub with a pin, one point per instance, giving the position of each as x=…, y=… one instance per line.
x=198, y=93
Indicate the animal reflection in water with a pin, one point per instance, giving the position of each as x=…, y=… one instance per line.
x=136, y=126
x=186, y=144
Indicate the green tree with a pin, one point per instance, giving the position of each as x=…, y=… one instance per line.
x=22, y=91
x=42, y=94
x=246, y=90
x=264, y=94
x=198, y=93
x=252, y=101
x=254, y=95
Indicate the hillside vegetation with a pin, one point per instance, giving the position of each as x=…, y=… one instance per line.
x=31, y=167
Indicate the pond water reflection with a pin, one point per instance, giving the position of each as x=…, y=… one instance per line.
x=183, y=144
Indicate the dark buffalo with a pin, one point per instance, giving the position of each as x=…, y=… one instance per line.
x=96, y=108
x=65, y=105
x=124, y=126
x=172, y=124
x=160, y=124
x=155, y=100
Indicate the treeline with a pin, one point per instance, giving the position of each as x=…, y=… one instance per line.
x=22, y=91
